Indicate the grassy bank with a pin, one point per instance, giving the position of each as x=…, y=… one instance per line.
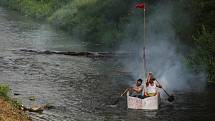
x=9, y=109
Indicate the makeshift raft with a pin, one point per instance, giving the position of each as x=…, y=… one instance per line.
x=148, y=103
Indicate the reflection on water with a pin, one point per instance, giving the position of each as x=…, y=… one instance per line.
x=79, y=88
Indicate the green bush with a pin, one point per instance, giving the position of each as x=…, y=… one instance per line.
x=34, y=8
x=4, y=91
x=203, y=52
x=93, y=20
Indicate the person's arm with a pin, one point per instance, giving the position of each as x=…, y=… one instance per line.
x=130, y=89
x=145, y=90
x=145, y=94
x=158, y=85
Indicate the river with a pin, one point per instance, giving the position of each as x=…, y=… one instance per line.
x=79, y=88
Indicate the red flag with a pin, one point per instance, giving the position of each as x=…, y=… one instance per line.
x=140, y=5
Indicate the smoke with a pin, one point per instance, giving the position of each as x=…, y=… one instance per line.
x=163, y=50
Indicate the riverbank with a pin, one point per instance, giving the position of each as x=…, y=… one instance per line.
x=9, y=112
x=9, y=109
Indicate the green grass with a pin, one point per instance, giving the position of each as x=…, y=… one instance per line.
x=4, y=91
x=5, y=94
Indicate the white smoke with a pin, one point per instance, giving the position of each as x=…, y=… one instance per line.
x=163, y=51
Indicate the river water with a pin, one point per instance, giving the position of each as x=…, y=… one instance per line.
x=79, y=88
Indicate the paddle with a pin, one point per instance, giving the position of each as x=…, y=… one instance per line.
x=126, y=90
x=122, y=94
x=170, y=97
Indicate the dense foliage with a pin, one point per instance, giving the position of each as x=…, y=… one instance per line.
x=203, y=35
x=103, y=20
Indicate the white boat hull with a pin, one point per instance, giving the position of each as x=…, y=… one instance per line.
x=149, y=103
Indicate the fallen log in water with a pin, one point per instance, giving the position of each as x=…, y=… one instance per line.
x=84, y=53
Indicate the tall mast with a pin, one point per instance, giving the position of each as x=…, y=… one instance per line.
x=144, y=41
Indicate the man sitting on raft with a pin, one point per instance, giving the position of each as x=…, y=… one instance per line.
x=137, y=90
x=151, y=86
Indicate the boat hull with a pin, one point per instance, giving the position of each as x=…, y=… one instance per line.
x=149, y=103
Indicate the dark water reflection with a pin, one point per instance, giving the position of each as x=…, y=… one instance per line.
x=80, y=88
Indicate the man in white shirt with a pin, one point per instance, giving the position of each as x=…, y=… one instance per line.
x=151, y=86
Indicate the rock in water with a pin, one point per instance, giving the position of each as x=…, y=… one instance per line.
x=32, y=98
x=37, y=108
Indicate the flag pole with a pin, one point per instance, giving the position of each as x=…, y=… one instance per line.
x=143, y=6
x=144, y=43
